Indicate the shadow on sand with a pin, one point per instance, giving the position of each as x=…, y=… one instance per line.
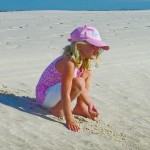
x=25, y=104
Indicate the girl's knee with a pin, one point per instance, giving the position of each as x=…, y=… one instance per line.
x=78, y=83
x=87, y=74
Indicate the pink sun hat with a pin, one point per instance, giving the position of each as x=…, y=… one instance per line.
x=89, y=34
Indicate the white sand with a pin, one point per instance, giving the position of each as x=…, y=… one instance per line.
x=29, y=41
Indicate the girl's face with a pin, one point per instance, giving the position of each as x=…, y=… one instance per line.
x=88, y=51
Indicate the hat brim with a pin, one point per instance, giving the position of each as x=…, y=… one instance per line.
x=98, y=43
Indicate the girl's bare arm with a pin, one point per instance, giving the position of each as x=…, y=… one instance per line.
x=67, y=77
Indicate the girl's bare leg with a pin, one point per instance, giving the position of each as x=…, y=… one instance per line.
x=77, y=86
x=81, y=108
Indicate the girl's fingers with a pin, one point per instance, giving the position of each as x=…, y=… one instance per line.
x=94, y=108
x=93, y=113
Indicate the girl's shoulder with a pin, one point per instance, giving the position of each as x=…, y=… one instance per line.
x=68, y=60
x=65, y=63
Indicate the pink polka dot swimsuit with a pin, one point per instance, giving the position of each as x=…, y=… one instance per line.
x=48, y=78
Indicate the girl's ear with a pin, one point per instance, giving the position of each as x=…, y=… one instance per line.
x=79, y=46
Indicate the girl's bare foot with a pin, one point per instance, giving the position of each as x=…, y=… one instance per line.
x=57, y=110
x=57, y=113
x=83, y=111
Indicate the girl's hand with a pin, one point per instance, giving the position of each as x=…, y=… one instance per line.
x=72, y=125
x=93, y=110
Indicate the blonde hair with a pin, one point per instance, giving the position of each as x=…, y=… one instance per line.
x=72, y=51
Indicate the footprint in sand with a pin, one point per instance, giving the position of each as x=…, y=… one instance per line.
x=4, y=86
x=11, y=45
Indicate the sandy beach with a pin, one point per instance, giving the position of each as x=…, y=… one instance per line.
x=30, y=40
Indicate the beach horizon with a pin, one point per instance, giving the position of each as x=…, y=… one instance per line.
x=78, y=5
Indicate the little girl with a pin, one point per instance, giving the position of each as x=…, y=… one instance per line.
x=68, y=78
